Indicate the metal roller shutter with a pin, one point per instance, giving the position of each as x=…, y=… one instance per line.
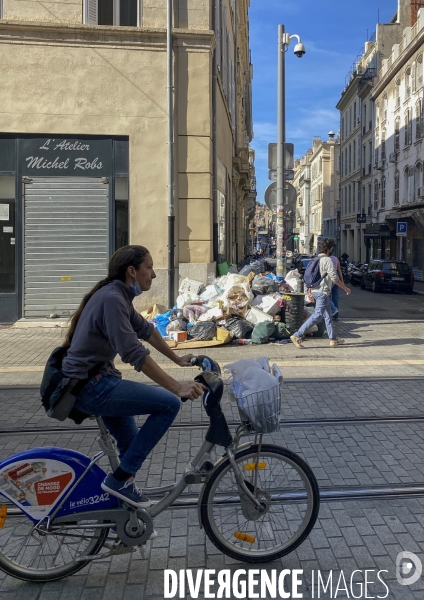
x=65, y=242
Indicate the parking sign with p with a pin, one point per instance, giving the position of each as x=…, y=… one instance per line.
x=402, y=228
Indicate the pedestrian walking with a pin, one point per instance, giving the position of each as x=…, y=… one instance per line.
x=335, y=288
x=321, y=291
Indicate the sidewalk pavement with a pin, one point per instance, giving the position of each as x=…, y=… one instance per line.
x=373, y=348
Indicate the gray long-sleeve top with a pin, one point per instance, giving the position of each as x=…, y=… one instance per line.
x=108, y=325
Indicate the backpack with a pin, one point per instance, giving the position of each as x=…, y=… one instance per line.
x=312, y=276
x=58, y=393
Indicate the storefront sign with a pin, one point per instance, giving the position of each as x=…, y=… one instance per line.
x=75, y=157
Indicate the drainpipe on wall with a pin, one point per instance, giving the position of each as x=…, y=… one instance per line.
x=171, y=186
x=236, y=123
x=214, y=144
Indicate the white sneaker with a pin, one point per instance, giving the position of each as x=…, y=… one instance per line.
x=297, y=341
x=337, y=342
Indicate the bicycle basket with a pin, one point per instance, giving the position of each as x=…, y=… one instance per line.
x=260, y=411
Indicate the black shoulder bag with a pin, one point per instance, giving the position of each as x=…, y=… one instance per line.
x=58, y=393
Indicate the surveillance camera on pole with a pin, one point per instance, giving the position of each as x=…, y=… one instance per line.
x=284, y=40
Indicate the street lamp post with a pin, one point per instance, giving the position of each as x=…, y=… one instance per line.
x=283, y=44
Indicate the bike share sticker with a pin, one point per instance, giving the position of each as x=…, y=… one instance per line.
x=36, y=484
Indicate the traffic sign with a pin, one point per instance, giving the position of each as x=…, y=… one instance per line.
x=402, y=228
x=272, y=175
x=272, y=156
x=270, y=195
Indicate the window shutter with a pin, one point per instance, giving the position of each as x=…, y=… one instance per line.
x=90, y=12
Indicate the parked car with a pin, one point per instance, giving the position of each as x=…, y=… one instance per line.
x=393, y=275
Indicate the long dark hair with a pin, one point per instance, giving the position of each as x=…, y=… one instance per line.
x=127, y=256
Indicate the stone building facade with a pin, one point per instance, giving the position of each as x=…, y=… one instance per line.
x=399, y=149
x=83, y=143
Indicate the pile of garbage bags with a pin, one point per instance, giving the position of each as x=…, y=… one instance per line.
x=246, y=308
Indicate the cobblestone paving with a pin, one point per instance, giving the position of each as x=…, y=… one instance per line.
x=322, y=383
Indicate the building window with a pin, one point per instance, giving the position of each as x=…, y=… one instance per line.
x=350, y=158
x=408, y=127
x=354, y=115
x=377, y=115
x=408, y=82
x=377, y=143
x=354, y=155
x=126, y=13
x=376, y=194
x=383, y=145
x=397, y=178
x=385, y=106
x=397, y=93
x=345, y=162
x=369, y=197
x=418, y=127
x=419, y=71
x=342, y=128
x=397, y=134
x=350, y=199
x=353, y=197
x=383, y=192
x=417, y=181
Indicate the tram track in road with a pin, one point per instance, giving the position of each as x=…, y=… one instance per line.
x=183, y=425
x=330, y=493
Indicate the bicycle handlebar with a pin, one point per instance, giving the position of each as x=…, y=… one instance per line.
x=205, y=364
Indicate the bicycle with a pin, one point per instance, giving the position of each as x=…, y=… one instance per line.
x=258, y=502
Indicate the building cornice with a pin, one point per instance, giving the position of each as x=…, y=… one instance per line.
x=397, y=65
x=29, y=32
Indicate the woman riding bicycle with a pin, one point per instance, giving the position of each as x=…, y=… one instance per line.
x=106, y=324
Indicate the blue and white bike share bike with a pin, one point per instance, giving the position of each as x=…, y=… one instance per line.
x=257, y=503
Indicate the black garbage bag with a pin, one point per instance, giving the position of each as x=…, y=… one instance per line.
x=262, y=285
x=204, y=330
x=240, y=328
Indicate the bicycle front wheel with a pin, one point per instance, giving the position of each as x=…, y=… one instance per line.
x=289, y=495
x=35, y=554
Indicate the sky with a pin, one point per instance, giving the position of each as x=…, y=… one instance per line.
x=333, y=32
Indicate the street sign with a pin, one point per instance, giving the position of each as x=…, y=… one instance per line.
x=402, y=228
x=270, y=195
x=338, y=229
x=320, y=238
x=272, y=175
x=361, y=218
x=272, y=156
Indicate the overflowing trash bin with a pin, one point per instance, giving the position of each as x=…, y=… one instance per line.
x=245, y=307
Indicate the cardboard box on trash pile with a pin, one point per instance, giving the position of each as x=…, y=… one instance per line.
x=239, y=300
x=190, y=286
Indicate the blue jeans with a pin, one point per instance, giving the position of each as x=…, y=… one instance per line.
x=117, y=402
x=335, y=299
x=322, y=309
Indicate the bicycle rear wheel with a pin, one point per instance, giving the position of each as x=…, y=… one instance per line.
x=37, y=555
x=286, y=487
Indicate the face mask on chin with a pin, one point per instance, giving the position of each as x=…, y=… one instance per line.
x=135, y=288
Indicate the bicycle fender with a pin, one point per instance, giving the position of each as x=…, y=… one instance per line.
x=36, y=480
x=219, y=462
